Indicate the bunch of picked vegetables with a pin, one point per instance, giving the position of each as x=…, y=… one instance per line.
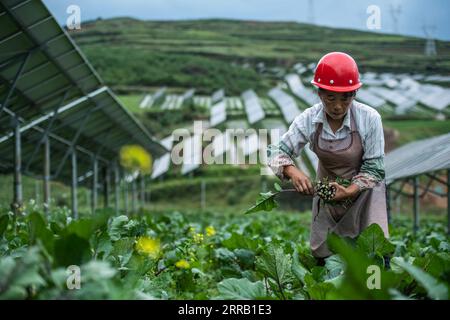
x=322, y=188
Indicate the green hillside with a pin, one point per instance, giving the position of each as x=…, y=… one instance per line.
x=211, y=54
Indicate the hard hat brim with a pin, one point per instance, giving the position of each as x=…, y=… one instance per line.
x=336, y=88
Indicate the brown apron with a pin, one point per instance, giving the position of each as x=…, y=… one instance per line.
x=343, y=158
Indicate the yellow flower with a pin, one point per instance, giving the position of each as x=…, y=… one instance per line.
x=134, y=157
x=198, y=237
x=210, y=231
x=149, y=246
x=182, y=264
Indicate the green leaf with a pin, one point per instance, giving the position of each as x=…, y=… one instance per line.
x=237, y=241
x=266, y=202
x=334, y=266
x=240, y=289
x=275, y=264
x=245, y=257
x=435, y=289
x=373, y=242
x=71, y=250
x=320, y=290
x=4, y=219
x=117, y=227
x=16, y=275
x=277, y=187
x=297, y=269
x=354, y=284
x=39, y=231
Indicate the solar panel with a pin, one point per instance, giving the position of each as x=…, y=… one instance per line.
x=312, y=66
x=167, y=142
x=149, y=100
x=286, y=103
x=202, y=102
x=161, y=166
x=47, y=83
x=159, y=95
x=172, y=102
x=438, y=78
x=297, y=88
x=253, y=107
x=218, y=96
x=99, y=124
x=192, y=154
x=146, y=101
x=218, y=113
x=418, y=157
x=435, y=97
x=402, y=102
x=299, y=68
x=370, y=99
x=269, y=107
x=188, y=97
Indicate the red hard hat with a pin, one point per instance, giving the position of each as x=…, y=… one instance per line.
x=337, y=71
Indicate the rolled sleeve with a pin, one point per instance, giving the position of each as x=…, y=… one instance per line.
x=291, y=144
x=372, y=169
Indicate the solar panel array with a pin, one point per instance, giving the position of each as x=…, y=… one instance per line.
x=203, y=101
x=172, y=102
x=395, y=97
x=47, y=84
x=418, y=157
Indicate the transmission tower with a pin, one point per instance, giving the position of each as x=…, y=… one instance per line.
x=311, y=15
x=395, y=14
x=430, y=44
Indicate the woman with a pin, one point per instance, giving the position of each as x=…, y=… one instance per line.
x=347, y=136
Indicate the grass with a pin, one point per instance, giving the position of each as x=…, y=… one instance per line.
x=411, y=130
x=131, y=102
x=212, y=54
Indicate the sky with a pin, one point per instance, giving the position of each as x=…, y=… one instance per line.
x=351, y=14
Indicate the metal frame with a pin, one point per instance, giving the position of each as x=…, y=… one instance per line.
x=14, y=83
x=27, y=106
x=414, y=181
x=47, y=130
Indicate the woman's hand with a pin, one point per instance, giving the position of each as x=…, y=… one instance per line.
x=300, y=181
x=343, y=193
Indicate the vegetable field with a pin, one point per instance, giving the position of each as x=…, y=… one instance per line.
x=210, y=255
